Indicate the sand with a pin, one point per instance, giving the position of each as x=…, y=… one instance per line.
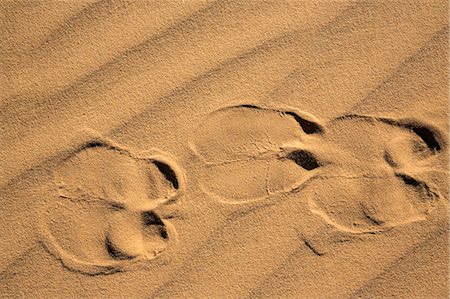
x=224, y=149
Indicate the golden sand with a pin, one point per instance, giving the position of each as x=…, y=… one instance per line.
x=224, y=149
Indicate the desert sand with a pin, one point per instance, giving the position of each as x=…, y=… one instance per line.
x=224, y=149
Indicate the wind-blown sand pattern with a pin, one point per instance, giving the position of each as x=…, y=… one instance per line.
x=224, y=149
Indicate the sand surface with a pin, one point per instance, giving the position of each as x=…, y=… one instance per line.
x=224, y=149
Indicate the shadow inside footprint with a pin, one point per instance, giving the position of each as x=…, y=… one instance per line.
x=168, y=173
x=115, y=252
x=304, y=159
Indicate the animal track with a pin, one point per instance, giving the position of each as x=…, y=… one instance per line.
x=377, y=183
x=107, y=216
x=358, y=173
x=250, y=148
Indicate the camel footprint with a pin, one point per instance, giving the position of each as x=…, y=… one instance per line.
x=249, y=152
x=107, y=215
x=385, y=177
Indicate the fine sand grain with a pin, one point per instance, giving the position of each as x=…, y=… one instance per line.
x=224, y=149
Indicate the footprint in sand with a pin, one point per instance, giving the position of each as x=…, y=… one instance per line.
x=249, y=152
x=108, y=214
x=359, y=174
x=387, y=173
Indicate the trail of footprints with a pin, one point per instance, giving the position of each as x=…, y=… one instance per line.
x=359, y=174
